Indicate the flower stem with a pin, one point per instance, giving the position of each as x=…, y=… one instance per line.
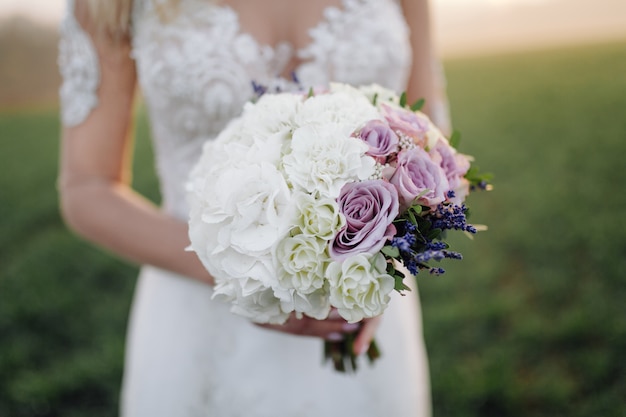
x=342, y=354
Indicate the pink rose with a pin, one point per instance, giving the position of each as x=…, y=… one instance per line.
x=416, y=174
x=412, y=124
x=455, y=166
x=369, y=207
x=380, y=138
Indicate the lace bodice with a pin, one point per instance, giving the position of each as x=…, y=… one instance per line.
x=197, y=70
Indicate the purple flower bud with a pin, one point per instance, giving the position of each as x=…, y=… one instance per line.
x=369, y=207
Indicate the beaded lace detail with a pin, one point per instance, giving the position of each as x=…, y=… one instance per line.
x=201, y=65
x=78, y=64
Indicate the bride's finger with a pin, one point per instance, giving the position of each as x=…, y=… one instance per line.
x=306, y=326
x=366, y=335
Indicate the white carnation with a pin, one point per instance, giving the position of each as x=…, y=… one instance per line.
x=323, y=159
x=360, y=286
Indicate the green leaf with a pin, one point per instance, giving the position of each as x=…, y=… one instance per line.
x=416, y=208
x=474, y=176
x=375, y=99
x=418, y=105
x=311, y=93
x=403, y=100
x=390, y=251
x=400, y=286
x=455, y=139
x=420, y=195
x=434, y=234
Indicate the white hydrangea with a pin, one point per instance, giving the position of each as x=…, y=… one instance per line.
x=343, y=110
x=315, y=304
x=382, y=94
x=236, y=219
x=272, y=114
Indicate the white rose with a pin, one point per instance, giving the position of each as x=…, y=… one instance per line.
x=323, y=159
x=301, y=262
x=318, y=217
x=360, y=286
x=433, y=135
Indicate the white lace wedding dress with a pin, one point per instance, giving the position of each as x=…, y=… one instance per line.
x=187, y=355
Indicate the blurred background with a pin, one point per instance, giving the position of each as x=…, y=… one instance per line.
x=531, y=323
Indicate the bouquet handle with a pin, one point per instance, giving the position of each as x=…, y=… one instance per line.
x=342, y=355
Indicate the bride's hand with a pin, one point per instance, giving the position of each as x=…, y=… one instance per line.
x=366, y=335
x=333, y=329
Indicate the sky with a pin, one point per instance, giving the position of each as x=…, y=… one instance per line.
x=51, y=10
x=467, y=26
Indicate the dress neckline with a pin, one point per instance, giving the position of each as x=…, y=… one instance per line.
x=291, y=56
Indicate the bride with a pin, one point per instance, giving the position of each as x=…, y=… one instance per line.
x=195, y=62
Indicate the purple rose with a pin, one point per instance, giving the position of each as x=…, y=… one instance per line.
x=455, y=166
x=369, y=207
x=417, y=175
x=380, y=138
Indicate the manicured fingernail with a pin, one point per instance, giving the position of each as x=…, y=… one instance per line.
x=363, y=349
x=351, y=327
x=334, y=314
x=334, y=337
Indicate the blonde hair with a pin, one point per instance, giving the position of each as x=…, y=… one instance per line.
x=114, y=16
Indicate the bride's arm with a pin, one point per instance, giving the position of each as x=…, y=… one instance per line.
x=426, y=78
x=96, y=198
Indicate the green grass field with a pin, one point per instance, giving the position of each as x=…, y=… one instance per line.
x=531, y=323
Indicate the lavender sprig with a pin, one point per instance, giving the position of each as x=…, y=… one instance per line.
x=451, y=216
x=418, y=238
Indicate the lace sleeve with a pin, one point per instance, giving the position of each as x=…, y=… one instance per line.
x=79, y=68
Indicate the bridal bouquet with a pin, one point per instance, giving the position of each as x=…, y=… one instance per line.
x=311, y=202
